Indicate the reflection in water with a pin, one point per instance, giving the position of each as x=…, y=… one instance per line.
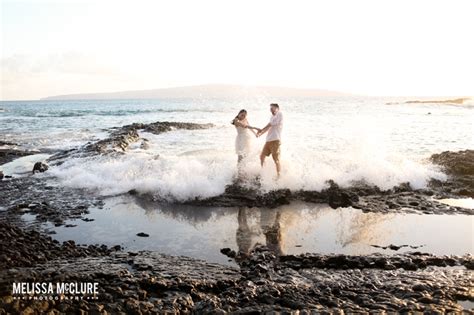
x=275, y=226
x=201, y=232
x=267, y=223
x=361, y=228
x=185, y=213
x=272, y=227
x=244, y=235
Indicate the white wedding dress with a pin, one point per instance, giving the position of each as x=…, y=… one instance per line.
x=243, y=141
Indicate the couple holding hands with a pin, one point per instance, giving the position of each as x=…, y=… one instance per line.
x=272, y=144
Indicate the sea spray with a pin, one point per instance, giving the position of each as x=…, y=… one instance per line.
x=201, y=175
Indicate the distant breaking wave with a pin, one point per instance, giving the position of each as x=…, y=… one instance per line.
x=458, y=101
x=451, y=101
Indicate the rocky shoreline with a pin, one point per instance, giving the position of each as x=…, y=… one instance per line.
x=150, y=283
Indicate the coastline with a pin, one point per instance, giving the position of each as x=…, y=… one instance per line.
x=150, y=282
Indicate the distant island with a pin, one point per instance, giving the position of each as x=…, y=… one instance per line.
x=203, y=91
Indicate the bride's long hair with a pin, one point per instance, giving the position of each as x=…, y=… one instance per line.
x=240, y=112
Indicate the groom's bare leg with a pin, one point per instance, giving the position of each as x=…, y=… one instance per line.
x=262, y=159
x=278, y=167
x=276, y=156
x=277, y=164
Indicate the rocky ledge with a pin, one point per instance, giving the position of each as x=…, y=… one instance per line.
x=122, y=137
x=9, y=151
x=368, y=198
x=44, y=201
x=152, y=283
x=460, y=168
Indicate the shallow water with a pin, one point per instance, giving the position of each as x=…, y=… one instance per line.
x=201, y=232
x=464, y=202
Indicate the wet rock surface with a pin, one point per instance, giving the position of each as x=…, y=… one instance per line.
x=40, y=167
x=8, y=155
x=401, y=198
x=460, y=168
x=25, y=248
x=149, y=283
x=44, y=200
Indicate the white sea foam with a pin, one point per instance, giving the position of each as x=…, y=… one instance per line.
x=184, y=177
x=178, y=178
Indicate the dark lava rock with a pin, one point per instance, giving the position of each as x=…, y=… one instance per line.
x=23, y=248
x=149, y=282
x=8, y=155
x=228, y=252
x=40, y=167
x=403, y=187
x=460, y=168
x=141, y=234
x=275, y=198
x=401, y=198
x=457, y=163
x=337, y=197
x=55, y=204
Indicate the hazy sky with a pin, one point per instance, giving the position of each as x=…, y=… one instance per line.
x=370, y=47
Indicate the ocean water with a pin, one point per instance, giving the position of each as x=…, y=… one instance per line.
x=345, y=139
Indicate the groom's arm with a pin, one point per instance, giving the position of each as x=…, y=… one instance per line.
x=265, y=129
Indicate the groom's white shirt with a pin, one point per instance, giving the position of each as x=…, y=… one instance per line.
x=276, y=122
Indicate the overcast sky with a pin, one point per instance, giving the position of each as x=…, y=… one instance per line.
x=364, y=47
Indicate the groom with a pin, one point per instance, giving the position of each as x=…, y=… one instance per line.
x=272, y=144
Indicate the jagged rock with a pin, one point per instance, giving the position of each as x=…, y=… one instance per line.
x=8, y=155
x=337, y=197
x=40, y=167
x=460, y=168
x=275, y=198
x=456, y=163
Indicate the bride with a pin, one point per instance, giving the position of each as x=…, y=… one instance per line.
x=243, y=141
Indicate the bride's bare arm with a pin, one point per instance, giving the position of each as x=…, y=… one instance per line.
x=252, y=128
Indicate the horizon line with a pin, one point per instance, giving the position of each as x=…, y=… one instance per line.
x=217, y=85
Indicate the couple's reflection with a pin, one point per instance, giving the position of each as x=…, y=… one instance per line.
x=283, y=228
x=251, y=227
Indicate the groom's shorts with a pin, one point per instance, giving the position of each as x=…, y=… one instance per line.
x=273, y=148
